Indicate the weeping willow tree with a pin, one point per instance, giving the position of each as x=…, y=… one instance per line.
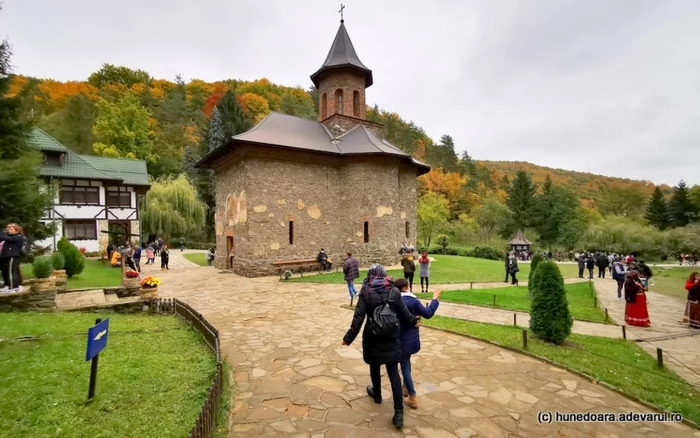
x=172, y=208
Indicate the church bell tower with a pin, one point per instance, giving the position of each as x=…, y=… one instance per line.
x=342, y=79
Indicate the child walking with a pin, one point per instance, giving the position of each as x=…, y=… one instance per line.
x=424, y=271
x=410, y=337
x=164, y=257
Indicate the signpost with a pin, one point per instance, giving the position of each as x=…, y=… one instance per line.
x=96, y=342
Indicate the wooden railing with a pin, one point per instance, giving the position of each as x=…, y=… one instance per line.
x=206, y=422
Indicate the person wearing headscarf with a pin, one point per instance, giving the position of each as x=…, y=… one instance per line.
x=377, y=289
x=692, y=307
x=636, y=312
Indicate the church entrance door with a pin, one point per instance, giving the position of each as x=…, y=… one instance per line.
x=229, y=250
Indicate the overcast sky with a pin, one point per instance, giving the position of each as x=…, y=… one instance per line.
x=603, y=86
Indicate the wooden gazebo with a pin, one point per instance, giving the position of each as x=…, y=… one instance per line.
x=519, y=242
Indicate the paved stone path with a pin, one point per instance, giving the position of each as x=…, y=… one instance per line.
x=682, y=354
x=293, y=378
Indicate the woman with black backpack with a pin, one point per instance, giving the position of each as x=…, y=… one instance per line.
x=381, y=303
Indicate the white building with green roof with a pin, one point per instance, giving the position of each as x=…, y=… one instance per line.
x=97, y=198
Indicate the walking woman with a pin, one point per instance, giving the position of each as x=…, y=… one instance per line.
x=409, y=270
x=513, y=267
x=424, y=271
x=636, y=312
x=164, y=258
x=381, y=347
x=692, y=307
x=11, y=243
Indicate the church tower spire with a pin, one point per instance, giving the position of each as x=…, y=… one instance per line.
x=342, y=79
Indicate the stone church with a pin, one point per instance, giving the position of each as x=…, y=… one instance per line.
x=291, y=186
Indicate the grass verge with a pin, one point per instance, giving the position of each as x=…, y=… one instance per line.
x=671, y=281
x=153, y=376
x=447, y=269
x=198, y=258
x=617, y=362
x=579, y=295
x=94, y=275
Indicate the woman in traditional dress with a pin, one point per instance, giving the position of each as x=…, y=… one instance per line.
x=692, y=307
x=636, y=312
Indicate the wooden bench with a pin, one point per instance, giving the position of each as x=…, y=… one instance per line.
x=301, y=265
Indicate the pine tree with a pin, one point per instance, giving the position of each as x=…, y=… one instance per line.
x=681, y=208
x=657, y=210
x=536, y=260
x=25, y=199
x=215, y=133
x=550, y=319
x=521, y=202
x=233, y=119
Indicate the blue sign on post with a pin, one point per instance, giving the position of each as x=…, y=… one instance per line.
x=97, y=339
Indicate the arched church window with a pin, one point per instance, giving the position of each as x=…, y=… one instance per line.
x=356, y=103
x=339, y=101
x=324, y=106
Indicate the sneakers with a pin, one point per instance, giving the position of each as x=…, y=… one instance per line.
x=4, y=289
x=411, y=401
x=398, y=419
x=17, y=289
x=376, y=397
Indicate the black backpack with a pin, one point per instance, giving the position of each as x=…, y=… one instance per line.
x=384, y=321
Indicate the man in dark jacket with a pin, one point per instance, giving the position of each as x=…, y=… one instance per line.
x=410, y=336
x=323, y=259
x=11, y=241
x=351, y=271
x=590, y=264
x=377, y=351
x=602, y=262
x=581, y=264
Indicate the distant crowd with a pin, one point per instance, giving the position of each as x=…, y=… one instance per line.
x=131, y=255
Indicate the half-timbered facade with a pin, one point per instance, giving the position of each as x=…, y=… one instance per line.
x=96, y=198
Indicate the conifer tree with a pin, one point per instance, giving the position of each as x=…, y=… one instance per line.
x=657, y=210
x=25, y=199
x=681, y=208
x=536, y=260
x=550, y=319
x=521, y=202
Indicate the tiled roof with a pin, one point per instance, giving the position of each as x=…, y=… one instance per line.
x=297, y=133
x=342, y=54
x=519, y=239
x=131, y=172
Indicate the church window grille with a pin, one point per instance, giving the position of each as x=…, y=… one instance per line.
x=339, y=101
x=356, y=103
x=366, y=232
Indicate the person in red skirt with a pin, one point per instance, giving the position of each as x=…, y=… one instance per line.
x=636, y=312
x=692, y=308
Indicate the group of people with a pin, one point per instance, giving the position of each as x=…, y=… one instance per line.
x=688, y=259
x=408, y=262
x=13, y=245
x=391, y=335
x=131, y=255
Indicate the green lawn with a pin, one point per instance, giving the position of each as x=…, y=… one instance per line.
x=95, y=275
x=197, y=257
x=449, y=269
x=614, y=361
x=671, y=282
x=153, y=377
x=579, y=295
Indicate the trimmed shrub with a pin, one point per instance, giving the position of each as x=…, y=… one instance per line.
x=486, y=252
x=550, y=319
x=536, y=259
x=43, y=267
x=74, y=259
x=58, y=260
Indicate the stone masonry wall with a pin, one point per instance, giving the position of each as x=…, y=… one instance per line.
x=28, y=299
x=230, y=197
x=347, y=80
x=328, y=198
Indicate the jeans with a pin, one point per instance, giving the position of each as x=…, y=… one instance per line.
x=392, y=370
x=426, y=283
x=409, y=276
x=209, y=261
x=351, y=289
x=406, y=373
x=620, y=283
x=137, y=264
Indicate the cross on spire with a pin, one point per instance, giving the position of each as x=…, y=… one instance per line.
x=342, y=6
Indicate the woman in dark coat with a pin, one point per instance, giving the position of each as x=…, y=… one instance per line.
x=377, y=351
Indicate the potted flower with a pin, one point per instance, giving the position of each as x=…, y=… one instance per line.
x=131, y=279
x=43, y=268
x=149, y=287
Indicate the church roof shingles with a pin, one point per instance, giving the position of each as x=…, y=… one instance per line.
x=293, y=132
x=343, y=54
